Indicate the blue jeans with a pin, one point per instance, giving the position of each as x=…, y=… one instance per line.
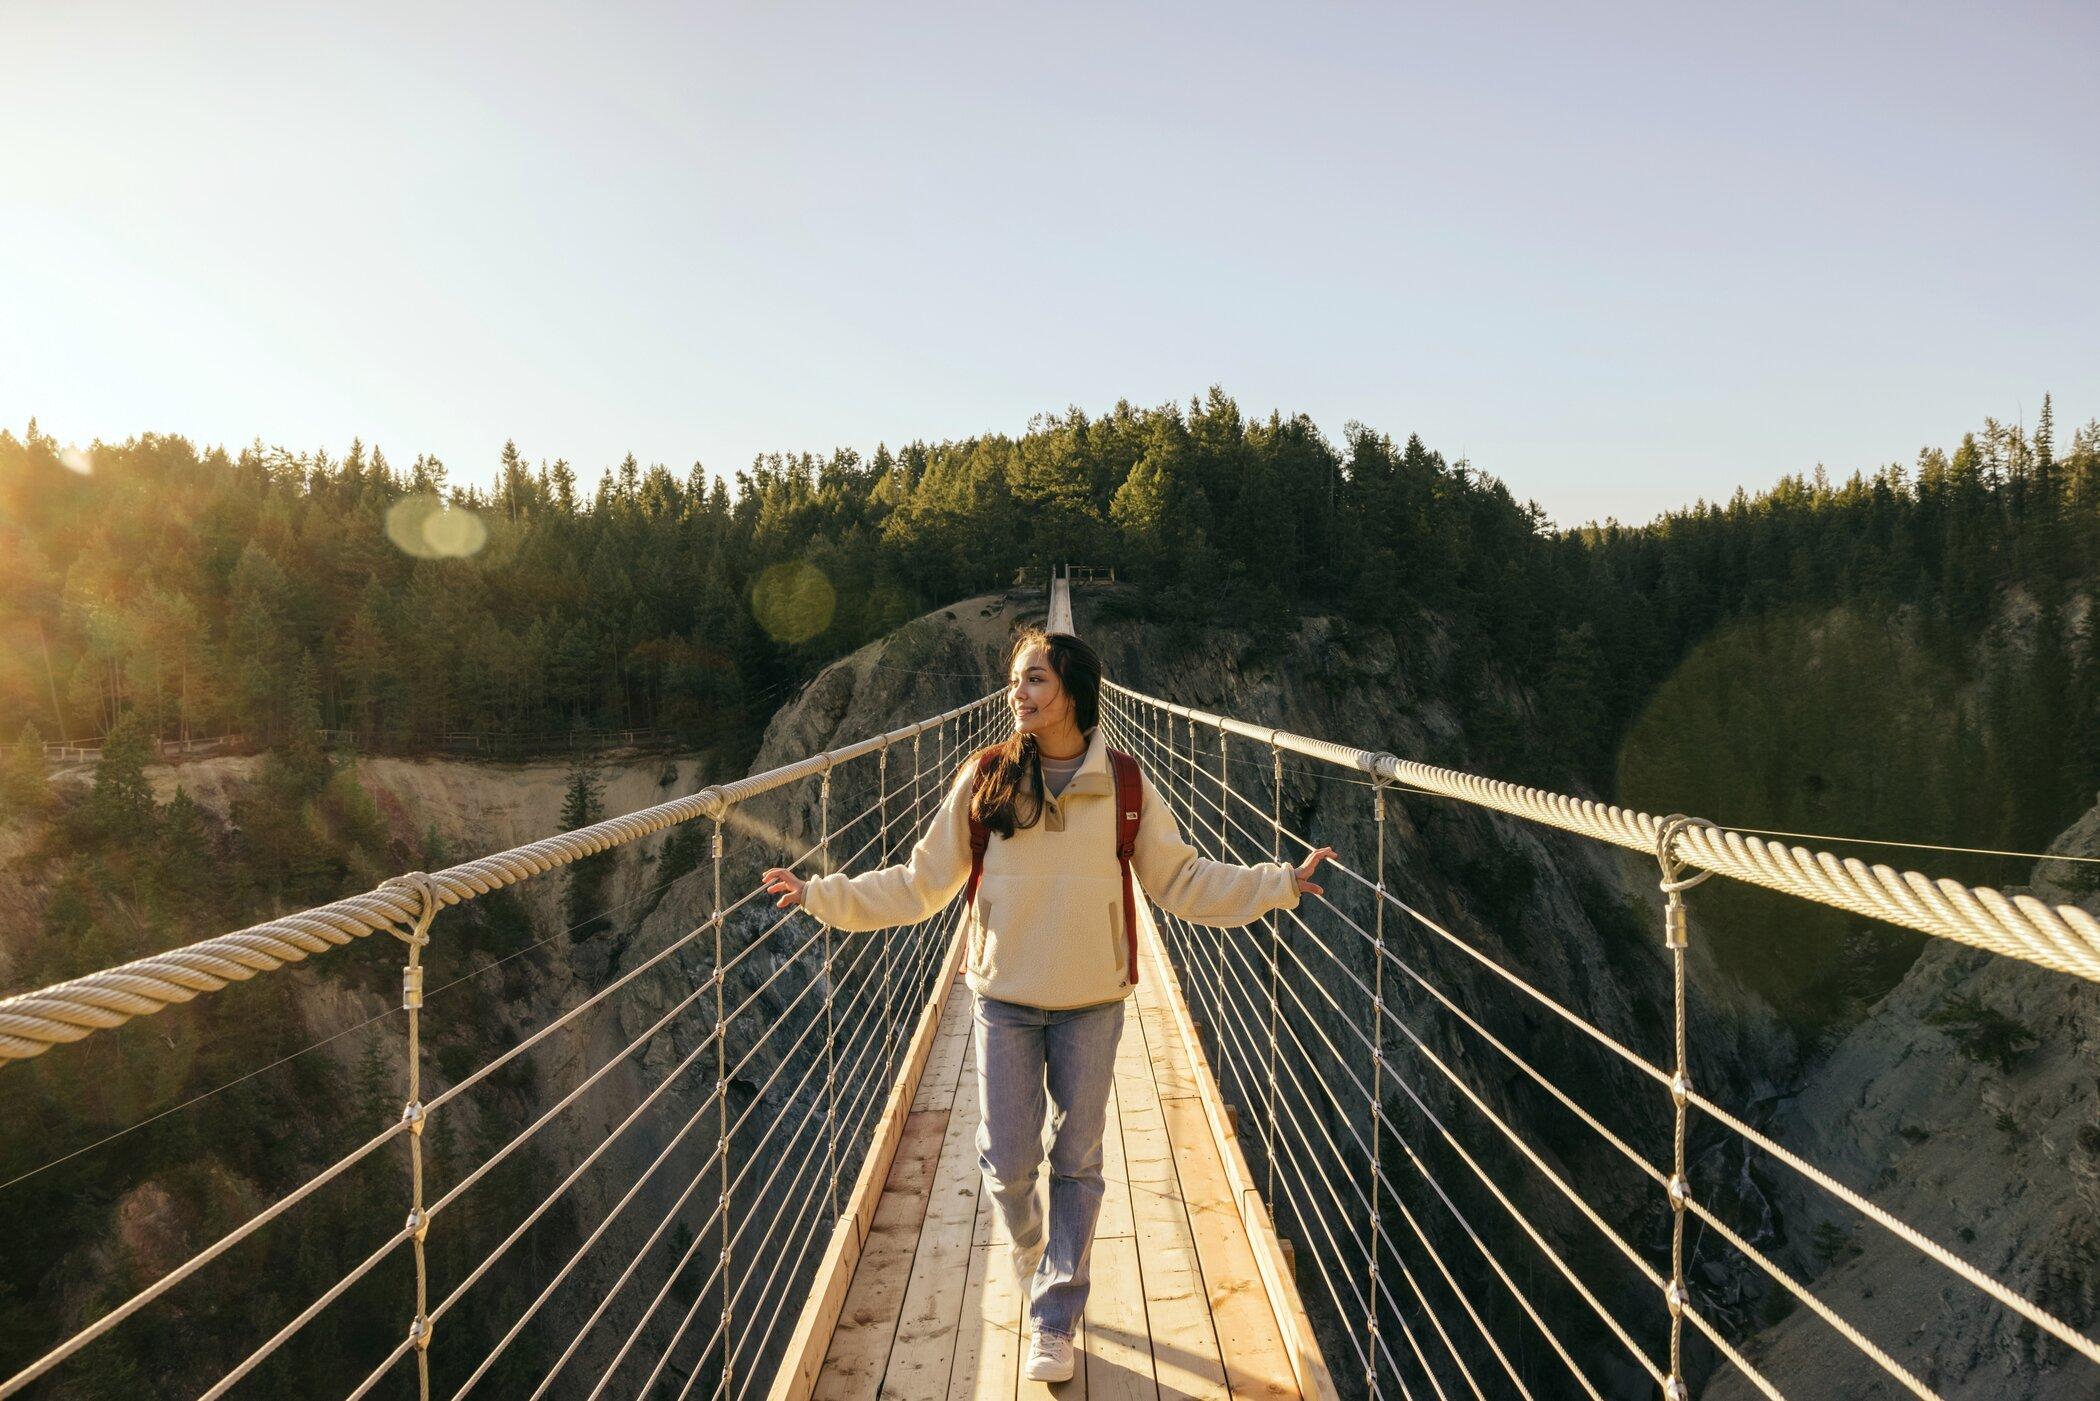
x=1020, y=1051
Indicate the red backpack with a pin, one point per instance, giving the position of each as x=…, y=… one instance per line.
x=1128, y=805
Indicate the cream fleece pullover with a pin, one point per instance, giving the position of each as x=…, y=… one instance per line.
x=1047, y=926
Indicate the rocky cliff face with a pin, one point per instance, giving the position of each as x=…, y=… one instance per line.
x=1967, y=1105
x=1898, y=1106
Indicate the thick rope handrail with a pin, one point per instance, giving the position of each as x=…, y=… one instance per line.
x=1677, y=844
x=32, y=1023
x=1387, y=1014
x=1523, y=1300
x=2062, y=938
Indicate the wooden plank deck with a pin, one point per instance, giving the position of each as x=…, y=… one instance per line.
x=1178, y=1308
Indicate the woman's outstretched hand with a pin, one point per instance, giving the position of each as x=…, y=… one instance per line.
x=1304, y=873
x=785, y=883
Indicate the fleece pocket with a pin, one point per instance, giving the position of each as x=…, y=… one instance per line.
x=977, y=958
x=1117, y=950
x=1046, y=940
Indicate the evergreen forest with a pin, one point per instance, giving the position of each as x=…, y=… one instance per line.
x=1745, y=659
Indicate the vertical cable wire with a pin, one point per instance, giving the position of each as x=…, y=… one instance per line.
x=412, y=1114
x=1377, y=1040
x=1676, y=936
x=831, y=1083
x=1275, y=940
x=889, y=945
x=922, y=934
x=722, y=1105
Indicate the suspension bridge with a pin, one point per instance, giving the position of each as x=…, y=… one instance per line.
x=1317, y=1186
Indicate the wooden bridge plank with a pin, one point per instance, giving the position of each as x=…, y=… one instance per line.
x=1256, y=1362
x=1116, y=1219
x=943, y=1073
x=924, y=1350
x=859, y=1351
x=988, y=1344
x=1118, y=1361
x=1185, y=1355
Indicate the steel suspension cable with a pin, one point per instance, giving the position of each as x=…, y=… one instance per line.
x=1245, y=1038
x=1487, y=1334
x=1566, y=1014
x=1314, y=981
x=1429, y=1311
x=2065, y=932
x=1530, y=1231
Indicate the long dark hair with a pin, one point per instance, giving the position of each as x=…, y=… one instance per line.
x=1015, y=782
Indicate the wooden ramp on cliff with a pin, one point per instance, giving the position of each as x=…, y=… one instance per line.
x=1191, y=1296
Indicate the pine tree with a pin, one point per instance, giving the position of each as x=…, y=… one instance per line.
x=121, y=806
x=582, y=805
x=25, y=789
x=377, y=1093
x=186, y=864
x=514, y=488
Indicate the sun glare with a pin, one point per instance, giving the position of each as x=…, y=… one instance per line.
x=424, y=526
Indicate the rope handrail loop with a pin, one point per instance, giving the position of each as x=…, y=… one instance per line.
x=427, y=896
x=1673, y=865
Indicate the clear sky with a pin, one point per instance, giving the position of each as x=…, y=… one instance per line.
x=1619, y=256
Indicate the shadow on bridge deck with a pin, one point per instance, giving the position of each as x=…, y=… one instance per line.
x=1178, y=1306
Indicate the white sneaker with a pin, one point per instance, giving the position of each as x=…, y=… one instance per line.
x=1025, y=1261
x=1049, y=1359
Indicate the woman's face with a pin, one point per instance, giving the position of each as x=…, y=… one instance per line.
x=1035, y=695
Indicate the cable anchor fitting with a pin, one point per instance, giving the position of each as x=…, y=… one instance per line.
x=1674, y=882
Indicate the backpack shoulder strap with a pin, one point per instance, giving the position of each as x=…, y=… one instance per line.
x=980, y=835
x=1129, y=804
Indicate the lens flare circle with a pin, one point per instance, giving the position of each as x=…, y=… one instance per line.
x=793, y=602
x=422, y=525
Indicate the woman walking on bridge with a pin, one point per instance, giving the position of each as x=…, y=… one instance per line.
x=1052, y=956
